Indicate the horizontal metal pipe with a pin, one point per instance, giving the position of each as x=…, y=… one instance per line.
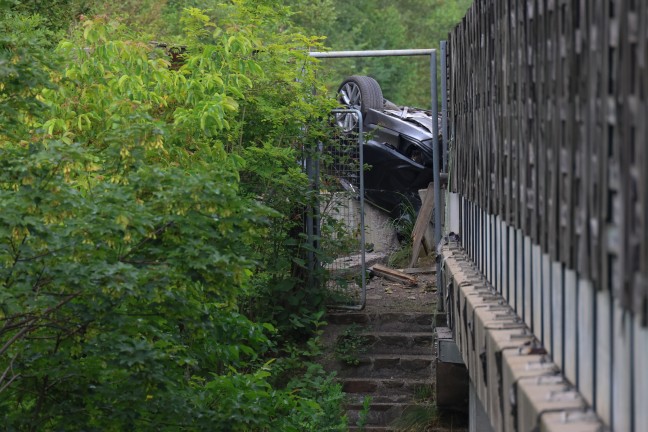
x=376, y=53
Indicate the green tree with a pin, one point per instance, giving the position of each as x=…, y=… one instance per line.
x=56, y=15
x=127, y=237
x=25, y=62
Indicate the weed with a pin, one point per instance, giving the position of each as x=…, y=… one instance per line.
x=417, y=418
x=364, y=413
x=404, y=226
x=404, y=223
x=401, y=257
x=351, y=345
x=423, y=393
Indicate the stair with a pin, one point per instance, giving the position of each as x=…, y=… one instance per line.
x=396, y=368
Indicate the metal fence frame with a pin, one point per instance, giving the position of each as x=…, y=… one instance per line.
x=437, y=164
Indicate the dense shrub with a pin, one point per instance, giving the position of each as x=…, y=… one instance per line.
x=142, y=207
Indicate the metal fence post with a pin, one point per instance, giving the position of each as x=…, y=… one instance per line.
x=436, y=166
x=310, y=219
x=444, y=104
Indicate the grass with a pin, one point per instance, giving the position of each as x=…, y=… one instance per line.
x=401, y=257
x=404, y=226
x=417, y=418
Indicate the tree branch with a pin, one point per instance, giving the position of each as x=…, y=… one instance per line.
x=29, y=325
x=4, y=375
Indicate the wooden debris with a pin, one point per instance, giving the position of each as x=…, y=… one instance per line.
x=393, y=275
x=415, y=270
x=421, y=224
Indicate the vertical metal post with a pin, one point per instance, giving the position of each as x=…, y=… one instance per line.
x=315, y=241
x=363, y=248
x=444, y=104
x=310, y=208
x=436, y=167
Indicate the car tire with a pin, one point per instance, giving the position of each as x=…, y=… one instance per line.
x=358, y=92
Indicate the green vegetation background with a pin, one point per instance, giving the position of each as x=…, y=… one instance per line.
x=377, y=25
x=152, y=272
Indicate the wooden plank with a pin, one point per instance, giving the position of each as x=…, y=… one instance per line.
x=626, y=158
x=556, y=116
x=573, y=137
x=497, y=124
x=421, y=270
x=393, y=275
x=601, y=145
x=543, y=136
x=532, y=154
x=421, y=224
x=585, y=236
x=525, y=79
x=641, y=279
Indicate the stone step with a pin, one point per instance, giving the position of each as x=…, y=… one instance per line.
x=357, y=388
x=453, y=425
x=357, y=399
x=388, y=366
x=371, y=429
x=395, y=368
x=387, y=342
x=386, y=391
x=379, y=414
x=412, y=343
x=442, y=423
x=385, y=321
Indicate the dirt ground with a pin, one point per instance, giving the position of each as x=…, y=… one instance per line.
x=387, y=296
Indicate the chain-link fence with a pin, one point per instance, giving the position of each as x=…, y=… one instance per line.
x=340, y=214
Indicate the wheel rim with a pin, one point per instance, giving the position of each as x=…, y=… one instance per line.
x=351, y=97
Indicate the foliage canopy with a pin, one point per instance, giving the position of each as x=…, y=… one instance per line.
x=132, y=219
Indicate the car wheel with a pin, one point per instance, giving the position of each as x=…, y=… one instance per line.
x=358, y=92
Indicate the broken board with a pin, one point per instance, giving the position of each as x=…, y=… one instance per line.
x=422, y=222
x=423, y=270
x=394, y=275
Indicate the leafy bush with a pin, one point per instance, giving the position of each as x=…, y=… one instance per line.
x=138, y=206
x=57, y=16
